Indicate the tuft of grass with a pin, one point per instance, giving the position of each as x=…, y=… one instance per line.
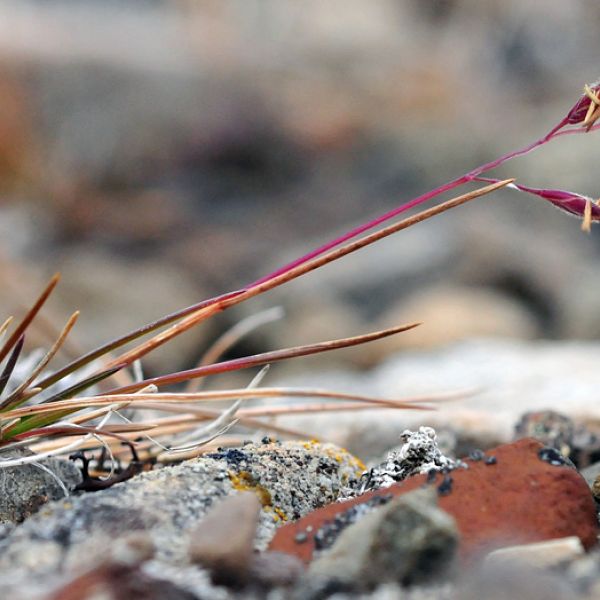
x=72, y=407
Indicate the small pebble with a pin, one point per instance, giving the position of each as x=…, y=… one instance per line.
x=546, y=554
x=552, y=456
x=476, y=455
x=490, y=460
x=301, y=537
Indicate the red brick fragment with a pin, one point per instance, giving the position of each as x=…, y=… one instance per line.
x=516, y=499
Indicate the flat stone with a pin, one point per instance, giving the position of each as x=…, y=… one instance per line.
x=540, y=555
x=223, y=541
x=517, y=493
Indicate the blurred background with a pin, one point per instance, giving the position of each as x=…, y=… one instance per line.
x=158, y=152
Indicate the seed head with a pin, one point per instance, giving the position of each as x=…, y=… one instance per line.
x=586, y=110
x=576, y=204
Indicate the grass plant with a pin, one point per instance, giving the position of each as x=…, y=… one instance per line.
x=79, y=404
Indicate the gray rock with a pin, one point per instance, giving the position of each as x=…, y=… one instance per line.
x=24, y=489
x=407, y=541
x=119, y=576
x=291, y=479
x=451, y=313
x=224, y=539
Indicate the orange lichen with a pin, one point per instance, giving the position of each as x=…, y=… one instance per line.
x=244, y=482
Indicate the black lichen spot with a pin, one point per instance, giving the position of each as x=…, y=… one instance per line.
x=233, y=456
x=476, y=455
x=326, y=466
x=554, y=457
x=431, y=475
x=445, y=487
x=490, y=460
x=328, y=533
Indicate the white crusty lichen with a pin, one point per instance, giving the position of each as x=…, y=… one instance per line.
x=418, y=454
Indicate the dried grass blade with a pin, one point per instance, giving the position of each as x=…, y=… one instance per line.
x=10, y=365
x=224, y=421
x=28, y=318
x=134, y=335
x=82, y=385
x=41, y=420
x=264, y=358
x=66, y=431
x=148, y=401
x=271, y=411
x=191, y=415
x=231, y=337
x=16, y=397
x=5, y=326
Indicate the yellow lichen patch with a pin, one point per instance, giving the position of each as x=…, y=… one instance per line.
x=280, y=513
x=277, y=513
x=342, y=455
x=274, y=516
x=310, y=444
x=244, y=482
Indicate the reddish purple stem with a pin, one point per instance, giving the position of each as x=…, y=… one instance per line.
x=470, y=176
